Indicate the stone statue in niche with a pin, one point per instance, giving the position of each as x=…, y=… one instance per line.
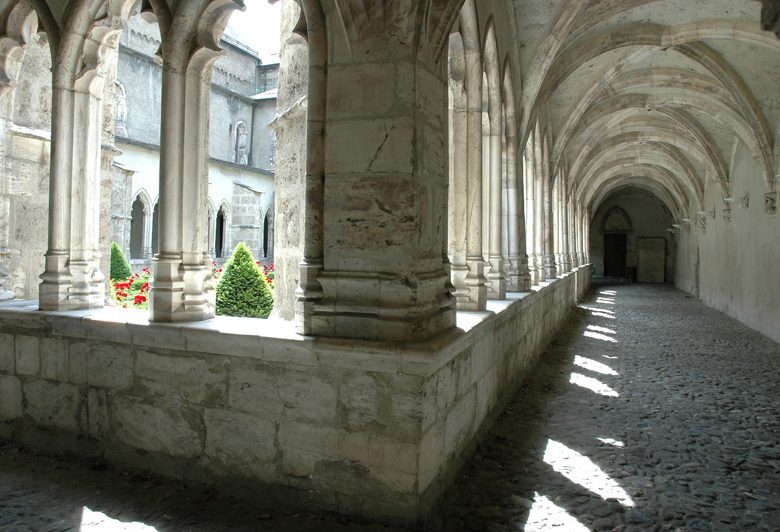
x=120, y=129
x=770, y=202
x=241, y=153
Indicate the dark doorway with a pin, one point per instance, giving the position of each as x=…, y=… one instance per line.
x=219, y=240
x=614, y=255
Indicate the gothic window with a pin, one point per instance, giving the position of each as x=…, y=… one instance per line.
x=219, y=234
x=137, y=228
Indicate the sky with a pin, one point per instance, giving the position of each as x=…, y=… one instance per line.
x=258, y=28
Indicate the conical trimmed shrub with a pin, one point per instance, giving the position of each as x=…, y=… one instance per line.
x=243, y=290
x=120, y=267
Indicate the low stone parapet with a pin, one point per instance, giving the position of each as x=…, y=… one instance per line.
x=355, y=426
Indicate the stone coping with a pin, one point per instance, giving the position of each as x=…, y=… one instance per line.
x=270, y=340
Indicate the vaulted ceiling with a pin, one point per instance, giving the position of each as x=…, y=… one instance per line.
x=653, y=93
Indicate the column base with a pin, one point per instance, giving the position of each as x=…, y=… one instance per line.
x=549, y=267
x=181, y=292
x=383, y=307
x=518, y=278
x=476, y=284
x=495, y=279
x=70, y=285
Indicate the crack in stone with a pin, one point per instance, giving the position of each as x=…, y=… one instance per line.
x=379, y=149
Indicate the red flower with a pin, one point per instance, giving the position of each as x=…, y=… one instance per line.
x=139, y=299
x=145, y=287
x=121, y=294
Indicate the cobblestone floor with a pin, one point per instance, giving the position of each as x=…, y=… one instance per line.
x=649, y=412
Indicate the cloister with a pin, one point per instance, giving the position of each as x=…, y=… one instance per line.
x=448, y=175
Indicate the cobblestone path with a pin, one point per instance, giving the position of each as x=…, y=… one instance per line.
x=648, y=412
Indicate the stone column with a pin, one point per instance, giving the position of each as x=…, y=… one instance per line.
x=572, y=233
x=530, y=209
x=517, y=270
x=458, y=153
x=496, y=277
x=539, y=205
x=548, y=234
x=72, y=278
x=183, y=288
x=564, y=225
x=475, y=279
x=385, y=190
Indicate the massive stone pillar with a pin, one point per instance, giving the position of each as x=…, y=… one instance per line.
x=72, y=278
x=548, y=237
x=384, y=202
x=183, y=288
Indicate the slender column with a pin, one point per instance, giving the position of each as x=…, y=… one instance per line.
x=564, y=210
x=72, y=278
x=530, y=210
x=548, y=234
x=572, y=237
x=475, y=279
x=496, y=277
x=517, y=272
x=183, y=288
x=458, y=148
x=539, y=228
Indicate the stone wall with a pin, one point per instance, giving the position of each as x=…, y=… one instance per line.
x=247, y=218
x=362, y=426
x=728, y=256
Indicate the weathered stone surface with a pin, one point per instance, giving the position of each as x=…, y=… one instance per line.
x=189, y=377
x=28, y=361
x=7, y=353
x=240, y=442
x=10, y=397
x=54, y=359
x=173, y=432
x=53, y=404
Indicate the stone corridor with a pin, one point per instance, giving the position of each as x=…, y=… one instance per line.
x=649, y=412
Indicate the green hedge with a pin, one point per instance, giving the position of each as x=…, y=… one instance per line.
x=120, y=267
x=243, y=290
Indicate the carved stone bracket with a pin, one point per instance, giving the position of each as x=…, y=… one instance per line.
x=770, y=203
x=727, y=214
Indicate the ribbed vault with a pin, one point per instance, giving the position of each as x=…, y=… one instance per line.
x=664, y=95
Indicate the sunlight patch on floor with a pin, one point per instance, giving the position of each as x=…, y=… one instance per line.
x=546, y=515
x=100, y=522
x=601, y=329
x=581, y=470
x=599, y=336
x=610, y=357
x=592, y=365
x=608, y=292
x=605, y=300
x=611, y=441
x=592, y=384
